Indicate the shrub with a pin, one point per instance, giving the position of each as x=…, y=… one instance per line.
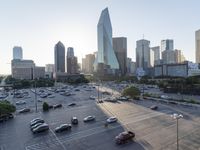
x=45, y=106
x=131, y=91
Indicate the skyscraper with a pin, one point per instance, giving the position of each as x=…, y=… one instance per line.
x=70, y=52
x=197, y=45
x=71, y=60
x=87, y=63
x=59, y=54
x=167, y=44
x=156, y=50
x=17, y=53
x=106, y=61
x=120, y=48
x=168, y=57
x=143, y=59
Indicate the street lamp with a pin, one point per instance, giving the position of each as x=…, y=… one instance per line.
x=177, y=117
x=35, y=96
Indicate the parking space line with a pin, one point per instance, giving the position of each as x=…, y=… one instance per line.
x=58, y=139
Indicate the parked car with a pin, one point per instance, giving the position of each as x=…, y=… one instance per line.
x=57, y=106
x=111, y=120
x=74, y=120
x=76, y=89
x=89, y=118
x=6, y=117
x=92, y=97
x=154, y=107
x=41, y=128
x=63, y=127
x=124, y=137
x=72, y=104
x=24, y=110
x=36, y=125
x=20, y=102
x=50, y=106
x=36, y=122
x=51, y=96
x=35, y=119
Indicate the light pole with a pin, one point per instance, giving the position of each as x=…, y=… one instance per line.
x=35, y=97
x=177, y=117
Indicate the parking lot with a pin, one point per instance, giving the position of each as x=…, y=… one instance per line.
x=154, y=129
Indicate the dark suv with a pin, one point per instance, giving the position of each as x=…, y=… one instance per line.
x=124, y=137
x=74, y=120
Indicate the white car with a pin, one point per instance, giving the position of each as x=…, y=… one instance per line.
x=111, y=120
x=89, y=118
x=92, y=97
x=51, y=96
x=20, y=102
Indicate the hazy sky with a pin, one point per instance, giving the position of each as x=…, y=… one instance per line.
x=37, y=25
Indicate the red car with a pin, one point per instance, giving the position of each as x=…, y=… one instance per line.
x=124, y=137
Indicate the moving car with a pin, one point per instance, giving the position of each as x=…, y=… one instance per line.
x=124, y=137
x=154, y=107
x=89, y=118
x=74, y=120
x=24, y=110
x=57, y=106
x=20, y=102
x=36, y=122
x=111, y=120
x=43, y=127
x=63, y=127
x=72, y=104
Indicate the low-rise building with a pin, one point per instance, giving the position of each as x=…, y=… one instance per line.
x=184, y=69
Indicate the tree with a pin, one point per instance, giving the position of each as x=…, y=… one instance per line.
x=131, y=91
x=6, y=107
x=45, y=106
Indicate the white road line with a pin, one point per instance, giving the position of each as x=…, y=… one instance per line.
x=58, y=140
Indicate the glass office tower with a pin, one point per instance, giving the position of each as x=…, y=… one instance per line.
x=106, y=58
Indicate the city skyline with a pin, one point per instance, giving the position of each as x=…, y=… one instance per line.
x=38, y=32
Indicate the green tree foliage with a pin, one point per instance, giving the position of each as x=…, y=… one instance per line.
x=45, y=106
x=131, y=91
x=6, y=107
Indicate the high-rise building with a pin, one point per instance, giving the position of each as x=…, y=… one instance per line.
x=168, y=57
x=143, y=59
x=179, y=57
x=128, y=65
x=152, y=57
x=87, y=63
x=59, y=54
x=197, y=45
x=120, y=48
x=49, y=68
x=167, y=44
x=72, y=65
x=17, y=52
x=83, y=65
x=106, y=61
x=71, y=60
x=70, y=52
x=156, y=51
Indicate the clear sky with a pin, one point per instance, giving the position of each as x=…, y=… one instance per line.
x=37, y=25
